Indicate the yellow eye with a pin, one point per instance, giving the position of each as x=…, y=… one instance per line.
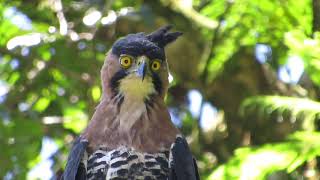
x=125, y=61
x=155, y=65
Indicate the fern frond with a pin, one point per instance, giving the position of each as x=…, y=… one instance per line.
x=259, y=162
x=283, y=107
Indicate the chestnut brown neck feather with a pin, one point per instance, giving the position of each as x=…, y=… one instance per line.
x=121, y=122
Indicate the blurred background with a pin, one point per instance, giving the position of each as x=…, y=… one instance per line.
x=245, y=81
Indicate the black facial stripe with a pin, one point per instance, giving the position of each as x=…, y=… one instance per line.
x=149, y=102
x=114, y=82
x=120, y=103
x=157, y=82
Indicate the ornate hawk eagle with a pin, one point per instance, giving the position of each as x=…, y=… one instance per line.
x=131, y=135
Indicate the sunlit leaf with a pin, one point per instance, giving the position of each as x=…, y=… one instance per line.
x=13, y=78
x=309, y=51
x=96, y=93
x=259, y=162
x=303, y=108
x=75, y=119
x=42, y=104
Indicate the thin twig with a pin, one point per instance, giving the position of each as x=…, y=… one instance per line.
x=214, y=41
x=58, y=8
x=192, y=14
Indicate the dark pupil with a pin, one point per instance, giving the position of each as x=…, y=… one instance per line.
x=155, y=65
x=126, y=61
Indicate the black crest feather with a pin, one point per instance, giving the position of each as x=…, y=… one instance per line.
x=151, y=45
x=162, y=37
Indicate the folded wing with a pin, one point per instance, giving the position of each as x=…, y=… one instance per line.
x=74, y=168
x=183, y=165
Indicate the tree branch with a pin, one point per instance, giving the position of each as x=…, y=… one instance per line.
x=192, y=14
x=316, y=15
x=214, y=40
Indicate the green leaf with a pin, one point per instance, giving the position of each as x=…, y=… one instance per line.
x=75, y=119
x=259, y=162
x=263, y=106
x=42, y=104
x=308, y=49
x=96, y=93
x=13, y=78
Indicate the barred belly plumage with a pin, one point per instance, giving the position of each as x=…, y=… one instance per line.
x=126, y=163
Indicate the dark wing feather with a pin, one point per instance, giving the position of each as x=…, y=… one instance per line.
x=196, y=169
x=75, y=170
x=183, y=165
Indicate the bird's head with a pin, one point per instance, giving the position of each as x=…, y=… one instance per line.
x=134, y=81
x=136, y=65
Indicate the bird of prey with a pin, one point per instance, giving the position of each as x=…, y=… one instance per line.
x=130, y=135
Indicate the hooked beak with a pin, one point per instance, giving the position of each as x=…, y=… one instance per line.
x=142, y=69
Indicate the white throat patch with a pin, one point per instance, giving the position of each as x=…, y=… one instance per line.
x=135, y=91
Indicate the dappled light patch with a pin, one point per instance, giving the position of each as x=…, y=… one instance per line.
x=75, y=119
x=259, y=162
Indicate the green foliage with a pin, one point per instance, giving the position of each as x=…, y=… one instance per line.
x=295, y=108
x=96, y=93
x=246, y=23
x=308, y=49
x=13, y=140
x=50, y=81
x=259, y=162
x=75, y=119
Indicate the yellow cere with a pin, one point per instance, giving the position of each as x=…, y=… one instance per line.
x=155, y=65
x=125, y=61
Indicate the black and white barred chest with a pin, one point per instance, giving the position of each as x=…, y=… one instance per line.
x=126, y=163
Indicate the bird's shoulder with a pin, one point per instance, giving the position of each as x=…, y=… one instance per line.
x=183, y=165
x=74, y=169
